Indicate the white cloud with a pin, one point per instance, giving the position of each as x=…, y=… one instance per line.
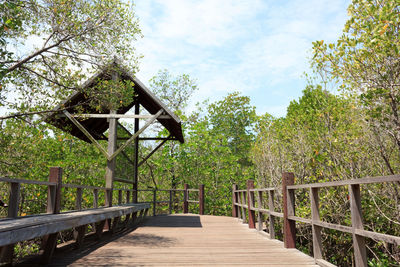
x=256, y=47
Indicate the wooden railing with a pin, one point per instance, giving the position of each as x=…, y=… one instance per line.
x=122, y=197
x=176, y=198
x=246, y=203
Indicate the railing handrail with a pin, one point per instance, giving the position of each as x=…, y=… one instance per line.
x=246, y=199
x=13, y=205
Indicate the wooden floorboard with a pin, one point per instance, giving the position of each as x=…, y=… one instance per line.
x=187, y=240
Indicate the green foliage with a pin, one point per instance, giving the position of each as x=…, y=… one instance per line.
x=174, y=92
x=366, y=60
x=325, y=137
x=64, y=42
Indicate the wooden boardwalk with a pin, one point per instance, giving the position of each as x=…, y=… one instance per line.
x=187, y=240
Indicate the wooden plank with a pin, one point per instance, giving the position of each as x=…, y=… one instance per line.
x=25, y=181
x=324, y=263
x=83, y=186
x=337, y=227
x=366, y=180
x=28, y=228
x=299, y=219
x=190, y=240
x=378, y=236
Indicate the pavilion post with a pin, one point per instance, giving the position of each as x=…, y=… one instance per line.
x=111, y=164
x=136, y=156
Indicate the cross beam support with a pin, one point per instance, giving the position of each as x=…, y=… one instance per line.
x=121, y=148
x=154, y=150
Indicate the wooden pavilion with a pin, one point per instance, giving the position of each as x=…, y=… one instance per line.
x=77, y=117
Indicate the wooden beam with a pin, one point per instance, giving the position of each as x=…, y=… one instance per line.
x=201, y=199
x=271, y=218
x=136, y=158
x=133, y=137
x=316, y=229
x=259, y=213
x=86, y=133
x=123, y=181
x=250, y=203
x=112, y=144
x=156, y=138
x=185, y=198
x=289, y=226
x=152, y=152
x=360, y=253
x=7, y=252
x=116, y=116
x=234, y=201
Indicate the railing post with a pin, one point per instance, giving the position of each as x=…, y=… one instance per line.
x=259, y=214
x=316, y=229
x=234, y=200
x=360, y=254
x=289, y=226
x=242, y=196
x=78, y=199
x=271, y=218
x=95, y=198
x=201, y=199
x=7, y=252
x=170, y=201
x=128, y=196
x=50, y=241
x=154, y=201
x=185, y=199
x=108, y=203
x=250, y=204
x=119, y=197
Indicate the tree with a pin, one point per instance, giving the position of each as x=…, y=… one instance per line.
x=175, y=92
x=366, y=60
x=52, y=45
x=235, y=118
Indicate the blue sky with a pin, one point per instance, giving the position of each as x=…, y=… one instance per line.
x=259, y=48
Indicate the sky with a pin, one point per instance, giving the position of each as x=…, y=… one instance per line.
x=259, y=48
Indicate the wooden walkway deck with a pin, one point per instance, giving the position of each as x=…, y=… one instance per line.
x=187, y=240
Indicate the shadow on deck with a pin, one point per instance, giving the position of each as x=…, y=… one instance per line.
x=184, y=240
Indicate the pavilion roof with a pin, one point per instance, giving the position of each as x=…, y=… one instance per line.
x=97, y=126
